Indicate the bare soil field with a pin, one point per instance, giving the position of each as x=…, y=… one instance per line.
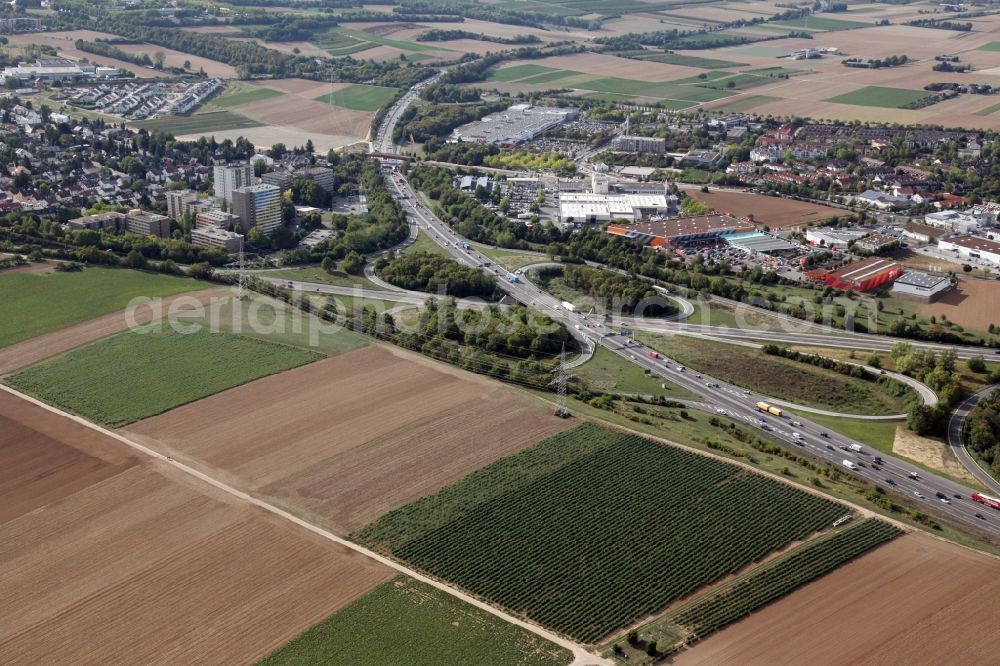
x=176, y=59
x=805, y=95
x=344, y=440
x=972, y=303
x=917, y=600
x=36, y=349
x=936, y=455
x=304, y=87
x=296, y=117
x=64, y=42
x=308, y=115
x=109, y=558
x=269, y=135
x=775, y=212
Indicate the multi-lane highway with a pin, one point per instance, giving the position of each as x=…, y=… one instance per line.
x=813, y=440
x=932, y=493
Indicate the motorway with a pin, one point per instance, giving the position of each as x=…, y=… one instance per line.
x=933, y=494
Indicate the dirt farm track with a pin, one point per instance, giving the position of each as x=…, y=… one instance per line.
x=109, y=557
x=917, y=600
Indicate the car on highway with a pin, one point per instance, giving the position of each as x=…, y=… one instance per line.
x=944, y=500
x=914, y=475
x=890, y=482
x=719, y=410
x=823, y=434
x=830, y=447
x=797, y=435
x=918, y=494
x=796, y=424
x=957, y=496
x=979, y=515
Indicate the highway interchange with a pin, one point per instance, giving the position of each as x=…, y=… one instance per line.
x=923, y=488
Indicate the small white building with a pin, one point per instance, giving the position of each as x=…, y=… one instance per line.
x=917, y=286
x=834, y=239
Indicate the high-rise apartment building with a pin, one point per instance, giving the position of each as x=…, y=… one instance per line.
x=230, y=177
x=258, y=206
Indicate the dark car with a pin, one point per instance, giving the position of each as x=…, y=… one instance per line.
x=979, y=515
x=890, y=482
x=830, y=446
x=823, y=434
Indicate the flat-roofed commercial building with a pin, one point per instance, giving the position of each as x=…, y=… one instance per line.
x=972, y=247
x=917, y=286
x=592, y=207
x=229, y=241
x=863, y=275
x=682, y=230
x=519, y=123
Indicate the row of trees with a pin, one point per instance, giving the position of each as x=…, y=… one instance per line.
x=626, y=295
x=982, y=434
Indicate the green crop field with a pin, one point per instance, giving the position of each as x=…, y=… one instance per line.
x=772, y=582
x=889, y=98
x=404, y=623
x=593, y=529
x=135, y=375
x=988, y=110
x=36, y=303
x=744, y=103
x=992, y=46
x=213, y=121
x=246, y=97
x=822, y=23
x=518, y=72
x=782, y=378
x=690, y=61
x=359, y=97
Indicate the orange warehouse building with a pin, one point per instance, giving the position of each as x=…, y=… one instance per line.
x=862, y=275
x=681, y=230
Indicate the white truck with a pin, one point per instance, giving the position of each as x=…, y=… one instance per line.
x=856, y=448
x=568, y=307
x=849, y=465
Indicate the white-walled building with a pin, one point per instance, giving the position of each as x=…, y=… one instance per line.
x=215, y=237
x=917, y=286
x=228, y=178
x=959, y=221
x=972, y=247
x=258, y=206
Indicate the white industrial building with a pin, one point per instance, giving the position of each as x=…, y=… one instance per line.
x=959, y=221
x=917, y=286
x=51, y=69
x=972, y=247
x=591, y=207
x=519, y=123
x=834, y=239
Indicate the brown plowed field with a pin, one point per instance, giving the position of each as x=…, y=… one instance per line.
x=775, y=212
x=39, y=348
x=972, y=303
x=917, y=600
x=346, y=439
x=110, y=557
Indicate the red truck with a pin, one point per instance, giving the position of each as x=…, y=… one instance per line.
x=986, y=499
x=654, y=354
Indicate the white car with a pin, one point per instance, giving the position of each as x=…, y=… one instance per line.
x=720, y=411
x=796, y=424
x=796, y=435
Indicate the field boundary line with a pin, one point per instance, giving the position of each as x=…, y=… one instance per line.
x=580, y=655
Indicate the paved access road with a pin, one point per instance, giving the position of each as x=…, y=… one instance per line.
x=955, y=440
